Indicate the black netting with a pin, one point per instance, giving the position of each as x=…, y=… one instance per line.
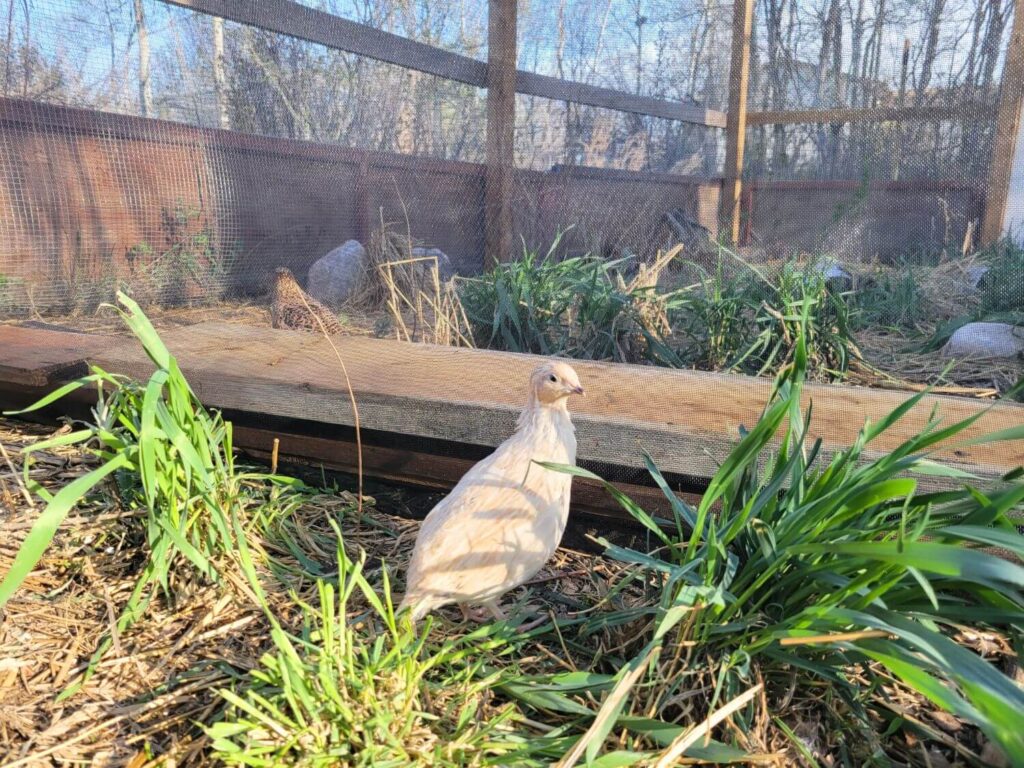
x=184, y=158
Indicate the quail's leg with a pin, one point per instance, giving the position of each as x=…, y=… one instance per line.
x=495, y=609
x=479, y=616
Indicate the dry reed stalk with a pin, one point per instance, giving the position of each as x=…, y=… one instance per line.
x=688, y=738
x=17, y=479
x=437, y=315
x=352, y=400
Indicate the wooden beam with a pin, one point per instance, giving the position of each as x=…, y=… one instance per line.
x=38, y=358
x=974, y=109
x=501, y=120
x=532, y=84
x=688, y=421
x=1011, y=99
x=295, y=20
x=736, y=129
x=290, y=18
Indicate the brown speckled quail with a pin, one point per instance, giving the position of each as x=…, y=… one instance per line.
x=290, y=311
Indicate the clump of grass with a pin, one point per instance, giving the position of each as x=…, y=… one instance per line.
x=367, y=690
x=579, y=307
x=1002, y=288
x=12, y=293
x=749, y=322
x=812, y=573
x=422, y=307
x=891, y=299
x=167, y=455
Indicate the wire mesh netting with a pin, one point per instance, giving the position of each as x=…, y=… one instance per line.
x=184, y=157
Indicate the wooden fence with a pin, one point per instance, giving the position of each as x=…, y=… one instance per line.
x=80, y=191
x=503, y=81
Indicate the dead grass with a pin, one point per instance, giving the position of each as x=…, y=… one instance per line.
x=421, y=306
x=899, y=364
x=142, y=705
x=159, y=680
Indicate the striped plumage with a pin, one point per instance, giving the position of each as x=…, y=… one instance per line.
x=288, y=309
x=505, y=518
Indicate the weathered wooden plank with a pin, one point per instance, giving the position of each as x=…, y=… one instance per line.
x=34, y=357
x=291, y=18
x=501, y=122
x=849, y=185
x=736, y=130
x=427, y=470
x=305, y=23
x=1011, y=101
x=975, y=110
x=534, y=84
x=686, y=420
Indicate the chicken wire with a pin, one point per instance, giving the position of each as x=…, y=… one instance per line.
x=93, y=200
x=184, y=158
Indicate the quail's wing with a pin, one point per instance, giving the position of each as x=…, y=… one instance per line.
x=488, y=535
x=328, y=318
x=294, y=316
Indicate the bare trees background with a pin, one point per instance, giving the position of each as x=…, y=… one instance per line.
x=142, y=57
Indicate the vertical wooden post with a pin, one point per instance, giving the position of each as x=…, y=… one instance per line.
x=364, y=212
x=1011, y=97
x=736, y=120
x=501, y=117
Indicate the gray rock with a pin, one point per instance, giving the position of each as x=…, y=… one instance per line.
x=985, y=340
x=976, y=274
x=445, y=270
x=832, y=272
x=336, y=277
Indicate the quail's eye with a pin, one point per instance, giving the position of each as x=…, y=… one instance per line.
x=553, y=378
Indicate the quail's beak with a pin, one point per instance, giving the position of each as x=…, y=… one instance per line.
x=578, y=390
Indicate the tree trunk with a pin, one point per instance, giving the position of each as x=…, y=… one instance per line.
x=145, y=87
x=219, y=80
x=930, y=49
x=9, y=48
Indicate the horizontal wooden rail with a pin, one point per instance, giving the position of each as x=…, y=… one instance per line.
x=973, y=110
x=686, y=421
x=290, y=18
x=533, y=84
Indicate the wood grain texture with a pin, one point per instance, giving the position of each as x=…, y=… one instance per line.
x=976, y=110
x=1011, y=101
x=686, y=420
x=33, y=357
x=501, y=121
x=736, y=130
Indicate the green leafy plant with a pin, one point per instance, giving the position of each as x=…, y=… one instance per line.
x=12, y=290
x=578, y=307
x=1002, y=287
x=804, y=570
x=190, y=265
x=166, y=454
x=365, y=690
x=749, y=323
x=891, y=300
